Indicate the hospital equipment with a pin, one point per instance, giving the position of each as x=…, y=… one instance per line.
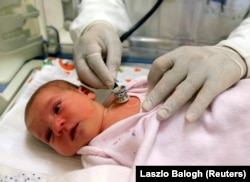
x=121, y=95
x=141, y=21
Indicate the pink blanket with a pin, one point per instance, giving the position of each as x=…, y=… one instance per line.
x=221, y=136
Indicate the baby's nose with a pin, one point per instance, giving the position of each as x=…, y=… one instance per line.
x=58, y=126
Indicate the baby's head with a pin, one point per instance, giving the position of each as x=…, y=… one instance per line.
x=64, y=116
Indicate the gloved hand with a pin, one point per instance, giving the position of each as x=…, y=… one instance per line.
x=98, y=40
x=188, y=71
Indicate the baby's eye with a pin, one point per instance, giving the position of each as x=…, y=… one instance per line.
x=48, y=136
x=57, y=108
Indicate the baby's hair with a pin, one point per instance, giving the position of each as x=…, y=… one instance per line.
x=60, y=84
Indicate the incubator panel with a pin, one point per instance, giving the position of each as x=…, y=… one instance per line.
x=58, y=16
x=20, y=41
x=32, y=31
x=20, y=37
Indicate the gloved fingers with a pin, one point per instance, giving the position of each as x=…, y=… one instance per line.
x=159, y=67
x=86, y=75
x=98, y=66
x=181, y=95
x=84, y=71
x=204, y=97
x=90, y=65
x=163, y=88
x=114, y=55
x=213, y=86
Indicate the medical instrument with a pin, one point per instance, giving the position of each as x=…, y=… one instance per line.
x=141, y=21
x=120, y=91
x=121, y=95
x=115, y=84
x=137, y=25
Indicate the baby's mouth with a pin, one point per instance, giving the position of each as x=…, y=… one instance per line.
x=73, y=132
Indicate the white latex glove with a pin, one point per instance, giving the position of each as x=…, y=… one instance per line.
x=98, y=40
x=188, y=71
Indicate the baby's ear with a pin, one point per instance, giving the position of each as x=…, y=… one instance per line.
x=87, y=92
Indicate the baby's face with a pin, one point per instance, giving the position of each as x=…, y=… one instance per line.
x=65, y=120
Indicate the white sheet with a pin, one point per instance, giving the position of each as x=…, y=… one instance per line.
x=102, y=173
x=21, y=152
